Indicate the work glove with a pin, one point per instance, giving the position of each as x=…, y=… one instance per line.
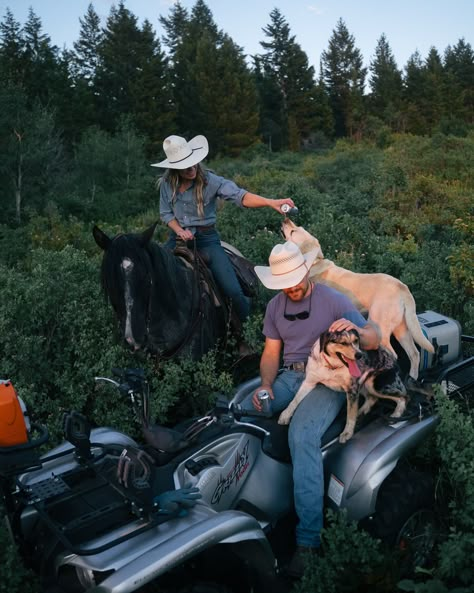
x=178, y=500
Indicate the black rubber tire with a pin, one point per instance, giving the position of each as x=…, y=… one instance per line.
x=405, y=520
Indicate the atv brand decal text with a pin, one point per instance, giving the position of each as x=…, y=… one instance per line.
x=241, y=465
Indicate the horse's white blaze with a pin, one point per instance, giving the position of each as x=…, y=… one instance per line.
x=127, y=266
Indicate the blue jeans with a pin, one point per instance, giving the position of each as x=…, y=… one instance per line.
x=310, y=421
x=208, y=243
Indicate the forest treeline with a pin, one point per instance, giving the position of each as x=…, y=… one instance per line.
x=121, y=85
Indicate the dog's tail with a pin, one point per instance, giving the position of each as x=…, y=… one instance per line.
x=413, y=323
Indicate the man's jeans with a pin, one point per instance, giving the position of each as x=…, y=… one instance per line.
x=311, y=419
x=208, y=243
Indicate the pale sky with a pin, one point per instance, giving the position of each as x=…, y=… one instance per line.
x=409, y=25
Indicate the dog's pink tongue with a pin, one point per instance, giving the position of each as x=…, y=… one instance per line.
x=353, y=368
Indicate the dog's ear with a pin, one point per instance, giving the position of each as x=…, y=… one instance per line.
x=323, y=342
x=355, y=333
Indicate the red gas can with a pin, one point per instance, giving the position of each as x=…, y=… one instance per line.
x=12, y=422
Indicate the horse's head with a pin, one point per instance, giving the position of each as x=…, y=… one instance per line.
x=127, y=281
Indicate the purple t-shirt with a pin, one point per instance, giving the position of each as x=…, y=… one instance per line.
x=298, y=336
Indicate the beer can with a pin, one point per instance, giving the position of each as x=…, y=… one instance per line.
x=265, y=402
x=288, y=210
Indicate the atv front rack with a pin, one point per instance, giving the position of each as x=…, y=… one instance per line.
x=87, y=504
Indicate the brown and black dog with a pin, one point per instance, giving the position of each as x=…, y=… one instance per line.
x=337, y=361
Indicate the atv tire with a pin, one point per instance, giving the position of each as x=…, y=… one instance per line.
x=404, y=519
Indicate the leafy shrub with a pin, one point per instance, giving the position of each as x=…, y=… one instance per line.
x=348, y=557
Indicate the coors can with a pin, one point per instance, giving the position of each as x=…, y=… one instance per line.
x=265, y=402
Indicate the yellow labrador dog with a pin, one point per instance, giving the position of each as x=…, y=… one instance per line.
x=388, y=302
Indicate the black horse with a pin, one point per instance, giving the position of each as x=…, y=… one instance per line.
x=165, y=303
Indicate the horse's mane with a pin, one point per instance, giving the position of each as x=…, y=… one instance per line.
x=151, y=257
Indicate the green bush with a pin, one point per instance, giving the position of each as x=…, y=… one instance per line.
x=349, y=556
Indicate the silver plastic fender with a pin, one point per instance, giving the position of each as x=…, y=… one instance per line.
x=225, y=527
x=354, y=471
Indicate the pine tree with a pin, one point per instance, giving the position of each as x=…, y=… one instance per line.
x=43, y=78
x=284, y=68
x=459, y=67
x=84, y=63
x=132, y=76
x=12, y=47
x=213, y=91
x=412, y=92
x=86, y=48
x=386, y=85
x=187, y=35
x=344, y=80
x=228, y=98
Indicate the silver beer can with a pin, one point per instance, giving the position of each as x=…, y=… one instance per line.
x=265, y=402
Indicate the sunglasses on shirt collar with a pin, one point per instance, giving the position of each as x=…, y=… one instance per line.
x=300, y=315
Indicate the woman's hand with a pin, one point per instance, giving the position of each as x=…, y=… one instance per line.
x=185, y=235
x=277, y=204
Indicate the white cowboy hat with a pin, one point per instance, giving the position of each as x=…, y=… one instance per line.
x=182, y=154
x=288, y=266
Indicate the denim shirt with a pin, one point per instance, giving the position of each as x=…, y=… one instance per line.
x=184, y=208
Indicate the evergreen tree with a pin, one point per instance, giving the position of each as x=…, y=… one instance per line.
x=84, y=64
x=228, y=98
x=188, y=36
x=434, y=85
x=386, y=85
x=272, y=125
x=425, y=93
x=459, y=67
x=43, y=77
x=413, y=94
x=86, y=56
x=12, y=47
x=213, y=90
x=175, y=27
x=286, y=67
x=132, y=76
x=344, y=79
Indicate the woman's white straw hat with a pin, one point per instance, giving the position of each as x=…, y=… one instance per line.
x=288, y=266
x=181, y=154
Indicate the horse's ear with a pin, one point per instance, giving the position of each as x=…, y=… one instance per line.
x=102, y=240
x=147, y=235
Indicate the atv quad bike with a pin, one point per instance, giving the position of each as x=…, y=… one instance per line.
x=103, y=513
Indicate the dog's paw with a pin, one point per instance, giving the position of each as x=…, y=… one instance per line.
x=345, y=436
x=284, y=418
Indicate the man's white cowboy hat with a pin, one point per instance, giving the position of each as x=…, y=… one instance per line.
x=288, y=266
x=182, y=154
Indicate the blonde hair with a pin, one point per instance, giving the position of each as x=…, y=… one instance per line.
x=173, y=177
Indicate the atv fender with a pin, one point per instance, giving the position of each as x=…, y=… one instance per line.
x=173, y=543
x=355, y=470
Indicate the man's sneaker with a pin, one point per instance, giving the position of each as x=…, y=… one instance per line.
x=299, y=560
